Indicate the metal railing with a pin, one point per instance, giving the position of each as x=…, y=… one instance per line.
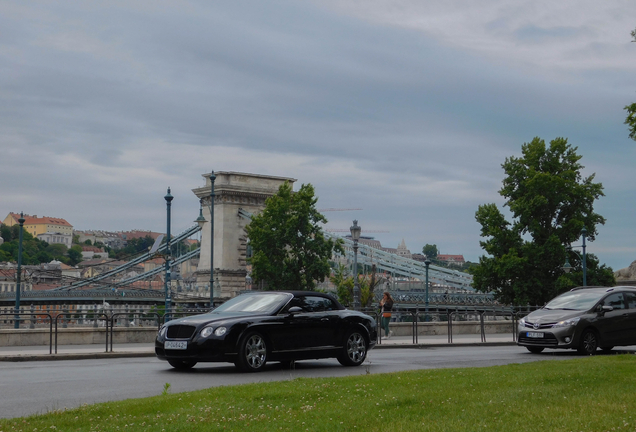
x=416, y=316
x=33, y=319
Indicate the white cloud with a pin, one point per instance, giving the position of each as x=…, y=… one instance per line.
x=546, y=34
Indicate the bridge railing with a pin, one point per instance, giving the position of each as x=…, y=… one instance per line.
x=415, y=322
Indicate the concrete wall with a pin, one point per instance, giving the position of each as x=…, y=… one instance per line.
x=75, y=336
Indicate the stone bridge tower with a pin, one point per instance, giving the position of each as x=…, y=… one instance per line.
x=233, y=191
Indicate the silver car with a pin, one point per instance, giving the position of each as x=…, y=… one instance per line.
x=585, y=318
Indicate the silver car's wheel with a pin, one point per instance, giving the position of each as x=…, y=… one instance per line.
x=589, y=342
x=252, y=353
x=355, y=349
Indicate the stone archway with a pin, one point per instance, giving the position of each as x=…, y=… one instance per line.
x=233, y=191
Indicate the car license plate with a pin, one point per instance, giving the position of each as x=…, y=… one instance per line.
x=176, y=345
x=534, y=335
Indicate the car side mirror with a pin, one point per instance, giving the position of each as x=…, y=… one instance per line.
x=295, y=309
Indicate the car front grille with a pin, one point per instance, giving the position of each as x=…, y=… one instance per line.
x=547, y=339
x=542, y=325
x=180, y=331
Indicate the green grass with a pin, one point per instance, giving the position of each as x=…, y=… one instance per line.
x=595, y=393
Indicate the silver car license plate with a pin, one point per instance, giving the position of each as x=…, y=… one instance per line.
x=534, y=335
x=176, y=345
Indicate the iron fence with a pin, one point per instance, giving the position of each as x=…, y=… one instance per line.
x=109, y=321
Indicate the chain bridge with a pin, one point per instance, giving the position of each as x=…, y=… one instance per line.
x=235, y=198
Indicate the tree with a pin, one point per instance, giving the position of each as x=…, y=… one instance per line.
x=344, y=286
x=75, y=255
x=550, y=203
x=289, y=249
x=630, y=121
x=430, y=251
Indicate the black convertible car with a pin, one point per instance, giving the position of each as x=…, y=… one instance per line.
x=252, y=329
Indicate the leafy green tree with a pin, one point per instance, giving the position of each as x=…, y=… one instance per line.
x=630, y=121
x=430, y=251
x=344, y=287
x=550, y=202
x=289, y=249
x=6, y=233
x=31, y=247
x=134, y=247
x=57, y=251
x=75, y=255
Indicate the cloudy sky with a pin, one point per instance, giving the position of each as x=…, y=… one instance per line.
x=405, y=109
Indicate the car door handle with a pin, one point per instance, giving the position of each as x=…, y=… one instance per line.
x=324, y=319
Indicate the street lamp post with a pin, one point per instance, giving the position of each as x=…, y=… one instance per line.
x=168, y=199
x=567, y=267
x=355, y=235
x=427, y=263
x=18, y=288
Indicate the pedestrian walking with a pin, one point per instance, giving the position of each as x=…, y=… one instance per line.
x=386, y=306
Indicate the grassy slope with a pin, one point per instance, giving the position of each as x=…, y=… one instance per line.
x=585, y=394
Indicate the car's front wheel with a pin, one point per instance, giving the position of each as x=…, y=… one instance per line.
x=354, y=350
x=589, y=342
x=252, y=353
x=535, y=350
x=182, y=364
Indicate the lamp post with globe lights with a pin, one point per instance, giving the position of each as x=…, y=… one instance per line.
x=355, y=236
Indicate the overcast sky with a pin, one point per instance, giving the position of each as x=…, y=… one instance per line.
x=405, y=109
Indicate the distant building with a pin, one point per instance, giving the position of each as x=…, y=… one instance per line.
x=403, y=251
x=457, y=260
x=8, y=279
x=108, y=238
x=90, y=252
x=53, y=230
x=57, y=238
x=418, y=257
x=129, y=235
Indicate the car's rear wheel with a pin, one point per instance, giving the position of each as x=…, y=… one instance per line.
x=182, y=364
x=535, y=350
x=354, y=350
x=252, y=354
x=589, y=342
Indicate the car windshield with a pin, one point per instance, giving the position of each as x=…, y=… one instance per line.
x=575, y=300
x=261, y=303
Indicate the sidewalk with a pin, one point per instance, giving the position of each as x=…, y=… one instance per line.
x=96, y=351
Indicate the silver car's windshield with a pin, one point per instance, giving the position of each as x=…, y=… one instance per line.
x=261, y=303
x=575, y=300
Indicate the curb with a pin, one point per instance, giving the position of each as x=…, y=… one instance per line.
x=122, y=354
x=444, y=345
x=73, y=356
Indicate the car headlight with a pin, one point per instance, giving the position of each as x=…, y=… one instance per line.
x=522, y=322
x=567, y=323
x=207, y=331
x=162, y=331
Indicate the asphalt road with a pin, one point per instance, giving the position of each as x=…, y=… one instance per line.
x=41, y=386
